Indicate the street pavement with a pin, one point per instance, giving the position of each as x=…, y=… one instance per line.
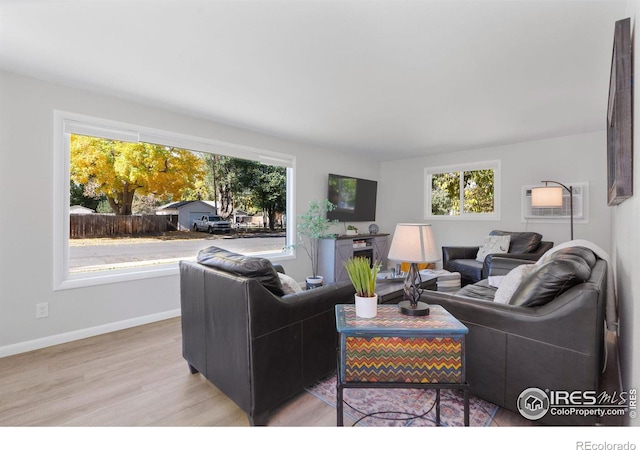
x=146, y=250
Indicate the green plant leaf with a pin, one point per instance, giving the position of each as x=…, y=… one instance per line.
x=363, y=275
x=312, y=226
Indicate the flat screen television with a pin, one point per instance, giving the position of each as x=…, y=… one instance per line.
x=354, y=198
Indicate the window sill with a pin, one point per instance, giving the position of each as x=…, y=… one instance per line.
x=95, y=278
x=465, y=217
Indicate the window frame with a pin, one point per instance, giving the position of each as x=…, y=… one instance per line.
x=66, y=123
x=495, y=165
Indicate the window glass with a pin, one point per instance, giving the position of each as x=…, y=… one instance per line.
x=478, y=191
x=445, y=194
x=134, y=207
x=462, y=192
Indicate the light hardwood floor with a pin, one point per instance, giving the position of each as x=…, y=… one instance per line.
x=136, y=377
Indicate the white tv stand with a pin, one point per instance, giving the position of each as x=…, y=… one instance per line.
x=334, y=252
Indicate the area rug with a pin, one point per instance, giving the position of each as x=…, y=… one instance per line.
x=398, y=407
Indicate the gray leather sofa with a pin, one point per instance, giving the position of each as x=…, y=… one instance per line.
x=256, y=344
x=524, y=245
x=549, y=336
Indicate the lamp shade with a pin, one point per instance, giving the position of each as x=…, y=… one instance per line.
x=413, y=243
x=546, y=197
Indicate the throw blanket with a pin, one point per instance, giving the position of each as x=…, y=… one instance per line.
x=611, y=311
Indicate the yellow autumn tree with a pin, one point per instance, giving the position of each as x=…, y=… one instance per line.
x=120, y=169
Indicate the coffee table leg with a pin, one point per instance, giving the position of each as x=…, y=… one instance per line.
x=339, y=405
x=438, y=407
x=466, y=407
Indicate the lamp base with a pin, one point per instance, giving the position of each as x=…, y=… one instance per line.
x=421, y=309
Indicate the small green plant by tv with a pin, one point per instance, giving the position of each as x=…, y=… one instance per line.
x=363, y=275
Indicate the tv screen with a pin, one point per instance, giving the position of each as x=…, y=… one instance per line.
x=354, y=198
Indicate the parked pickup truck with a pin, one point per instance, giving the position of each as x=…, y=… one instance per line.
x=212, y=224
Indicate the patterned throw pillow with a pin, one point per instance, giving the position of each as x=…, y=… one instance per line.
x=493, y=244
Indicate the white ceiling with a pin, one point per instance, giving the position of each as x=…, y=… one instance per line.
x=390, y=78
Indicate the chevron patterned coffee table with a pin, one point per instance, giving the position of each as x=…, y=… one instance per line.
x=395, y=350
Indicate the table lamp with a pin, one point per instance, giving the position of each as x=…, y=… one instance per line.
x=413, y=243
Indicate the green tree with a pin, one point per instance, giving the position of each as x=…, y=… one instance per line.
x=222, y=180
x=478, y=192
x=445, y=194
x=263, y=186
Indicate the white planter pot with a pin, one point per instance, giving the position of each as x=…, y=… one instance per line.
x=367, y=307
x=314, y=282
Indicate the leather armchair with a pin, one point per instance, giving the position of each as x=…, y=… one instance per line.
x=258, y=347
x=524, y=245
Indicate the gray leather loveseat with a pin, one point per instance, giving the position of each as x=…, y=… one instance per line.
x=548, y=335
x=523, y=245
x=257, y=344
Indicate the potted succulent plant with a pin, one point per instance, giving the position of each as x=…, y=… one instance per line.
x=363, y=276
x=312, y=226
x=352, y=230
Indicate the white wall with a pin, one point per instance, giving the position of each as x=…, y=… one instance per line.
x=569, y=159
x=625, y=244
x=26, y=240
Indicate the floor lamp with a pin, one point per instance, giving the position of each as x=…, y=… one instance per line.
x=413, y=243
x=551, y=197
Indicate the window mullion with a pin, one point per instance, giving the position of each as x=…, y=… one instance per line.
x=461, y=177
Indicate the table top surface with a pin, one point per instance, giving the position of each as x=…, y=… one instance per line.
x=387, y=276
x=391, y=322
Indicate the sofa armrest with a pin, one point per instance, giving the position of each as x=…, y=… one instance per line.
x=268, y=312
x=502, y=263
x=522, y=258
x=458, y=252
x=498, y=266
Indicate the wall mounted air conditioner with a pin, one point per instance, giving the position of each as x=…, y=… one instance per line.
x=551, y=215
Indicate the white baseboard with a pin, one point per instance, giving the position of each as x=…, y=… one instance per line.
x=48, y=341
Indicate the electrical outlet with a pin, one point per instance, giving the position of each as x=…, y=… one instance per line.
x=42, y=310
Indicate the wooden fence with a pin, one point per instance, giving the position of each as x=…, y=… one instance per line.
x=106, y=225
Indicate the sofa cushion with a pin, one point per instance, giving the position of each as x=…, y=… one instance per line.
x=468, y=268
x=521, y=241
x=244, y=266
x=493, y=244
x=480, y=290
x=547, y=281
